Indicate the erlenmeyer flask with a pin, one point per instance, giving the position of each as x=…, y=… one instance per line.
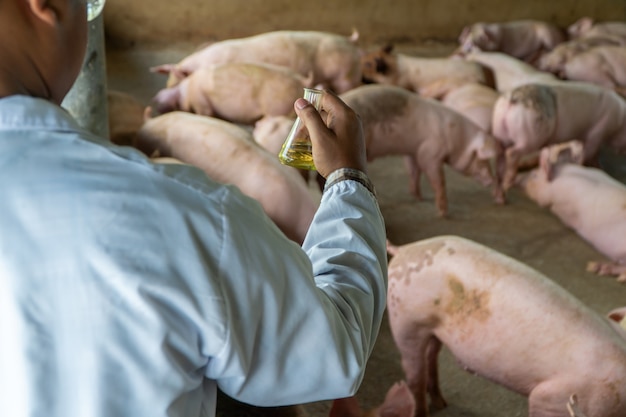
x=297, y=150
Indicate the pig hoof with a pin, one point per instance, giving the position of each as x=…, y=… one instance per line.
x=593, y=266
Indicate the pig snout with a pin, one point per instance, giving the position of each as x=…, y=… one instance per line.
x=167, y=100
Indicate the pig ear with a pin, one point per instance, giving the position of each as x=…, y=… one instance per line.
x=345, y=407
x=399, y=402
x=387, y=49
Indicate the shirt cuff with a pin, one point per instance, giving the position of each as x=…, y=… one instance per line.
x=343, y=174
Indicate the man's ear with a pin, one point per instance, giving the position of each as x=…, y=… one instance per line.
x=44, y=10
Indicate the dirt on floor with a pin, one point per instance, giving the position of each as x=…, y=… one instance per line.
x=520, y=229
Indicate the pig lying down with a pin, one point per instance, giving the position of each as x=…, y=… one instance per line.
x=505, y=322
x=587, y=200
x=586, y=28
x=228, y=154
x=334, y=60
x=237, y=92
x=603, y=65
x=532, y=116
x=430, y=77
x=522, y=39
x=427, y=133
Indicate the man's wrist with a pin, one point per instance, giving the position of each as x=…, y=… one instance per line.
x=343, y=174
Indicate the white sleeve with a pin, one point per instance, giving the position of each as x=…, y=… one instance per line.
x=301, y=324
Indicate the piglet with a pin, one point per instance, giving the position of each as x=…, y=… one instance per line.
x=585, y=199
x=603, y=65
x=532, y=116
x=587, y=27
x=237, y=92
x=430, y=77
x=334, y=60
x=522, y=39
x=504, y=321
x=397, y=121
x=228, y=154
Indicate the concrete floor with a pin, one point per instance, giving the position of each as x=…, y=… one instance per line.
x=520, y=229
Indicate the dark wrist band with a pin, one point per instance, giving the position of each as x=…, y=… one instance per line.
x=343, y=174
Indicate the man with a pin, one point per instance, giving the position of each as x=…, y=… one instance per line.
x=129, y=288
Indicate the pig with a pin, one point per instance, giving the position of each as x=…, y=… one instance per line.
x=504, y=321
x=397, y=121
x=603, y=65
x=228, y=154
x=238, y=92
x=510, y=72
x=522, y=39
x=586, y=27
x=532, y=116
x=430, y=77
x=474, y=101
x=585, y=199
x=554, y=60
x=399, y=402
x=334, y=60
x=126, y=116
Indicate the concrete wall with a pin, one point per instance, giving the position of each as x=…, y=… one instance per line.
x=130, y=22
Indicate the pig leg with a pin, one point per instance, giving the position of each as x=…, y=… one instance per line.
x=609, y=269
x=432, y=354
x=512, y=158
x=413, y=348
x=437, y=180
x=414, y=173
x=572, y=407
x=549, y=398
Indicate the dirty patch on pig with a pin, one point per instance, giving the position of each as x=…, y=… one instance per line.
x=466, y=305
x=417, y=257
x=538, y=97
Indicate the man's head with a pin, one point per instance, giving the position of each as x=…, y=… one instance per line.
x=42, y=46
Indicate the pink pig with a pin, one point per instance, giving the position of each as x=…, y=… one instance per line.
x=532, y=116
x=522, y=39
x=510, y=72
x=586, y=27
x=397, y=121
x=451, y=291
x=573, y=192
x=228, y=154
x=238, y=92
x=430, y=77
x=334, y=60
x=474, y=101
x=603, y=65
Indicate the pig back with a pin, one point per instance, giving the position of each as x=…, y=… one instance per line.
x=229, y=155
x=498, y=316
x=244, y=92
x=397, y=121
